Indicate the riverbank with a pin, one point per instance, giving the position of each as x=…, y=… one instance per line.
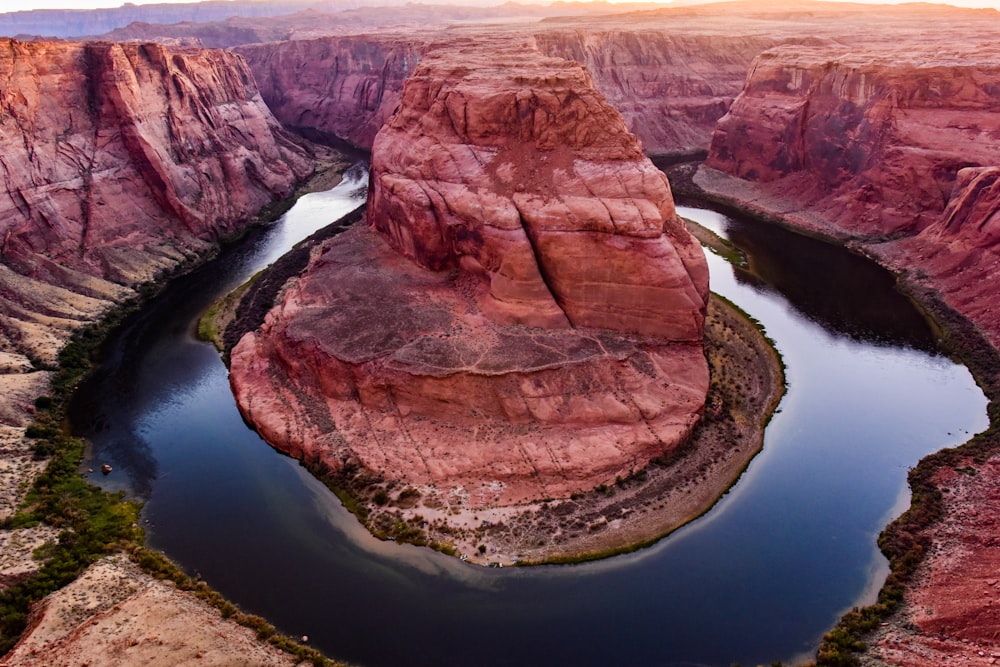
x=632, y=512
x=42, y=490
x=938, y=604
x=747, y=385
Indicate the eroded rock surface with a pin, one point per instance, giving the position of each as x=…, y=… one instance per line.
x=521, y=319
x=116, y=614
x=345, y=87
x=670, y=84
x=897, y=150
x=871, y=139
x=121, y=161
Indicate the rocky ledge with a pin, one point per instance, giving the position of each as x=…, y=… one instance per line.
x=521, y=318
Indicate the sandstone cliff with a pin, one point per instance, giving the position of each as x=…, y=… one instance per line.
x=670, y=85
x=120, y=161
x=671, y=88
x=523, y=317
x=897, y=150
x=870, y=140
x=345, y=87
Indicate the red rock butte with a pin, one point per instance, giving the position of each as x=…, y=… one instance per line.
x=521, y=318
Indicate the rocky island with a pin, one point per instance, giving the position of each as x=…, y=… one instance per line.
x=520, y=320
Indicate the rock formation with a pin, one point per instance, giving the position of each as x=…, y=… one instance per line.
x=521, y=319
x=121, y=161
x=345, y=87
x=897, y=150
x=670, y=86
x=869, y=140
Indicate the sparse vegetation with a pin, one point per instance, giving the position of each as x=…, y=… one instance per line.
x=93, y=522
x=906, y=540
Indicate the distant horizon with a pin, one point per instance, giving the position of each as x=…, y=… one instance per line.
x=11, y=6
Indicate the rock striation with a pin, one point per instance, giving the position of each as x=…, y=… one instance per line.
x=670, y=85
x=521, y=318
x=119, y=162
x=871, y=140
x=897, y=150
x=343, y=87
x=670, y=88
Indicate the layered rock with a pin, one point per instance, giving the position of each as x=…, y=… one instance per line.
x=345, y=87
x=523, y=316
x=899, y=151
x=671, y=88
x=957, y=254
x=120, y=161
x=869, y=140
x=670, y=85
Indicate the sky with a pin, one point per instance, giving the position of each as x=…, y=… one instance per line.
x=19, y=5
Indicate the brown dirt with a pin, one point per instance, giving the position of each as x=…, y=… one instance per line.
x=951, y=614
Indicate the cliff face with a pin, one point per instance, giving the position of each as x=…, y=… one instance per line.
x=671, y=87
x=120, y=161
x=869, y=140
x=522, y=319
x=540, y=188
x=346, y=87
x=898, y=150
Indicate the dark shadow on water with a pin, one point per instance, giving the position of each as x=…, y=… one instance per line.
x=840, y=290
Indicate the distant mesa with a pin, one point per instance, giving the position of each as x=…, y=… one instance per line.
x=522, y=316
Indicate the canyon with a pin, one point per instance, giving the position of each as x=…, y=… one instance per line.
x=522, y=277
x=121, y=162
x=844, y=121
x=895, y=152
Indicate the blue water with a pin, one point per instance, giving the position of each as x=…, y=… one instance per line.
x=759, y=578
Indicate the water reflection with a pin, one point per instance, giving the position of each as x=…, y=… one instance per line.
x=842, y=291
x=154, y=360
x=760, y=578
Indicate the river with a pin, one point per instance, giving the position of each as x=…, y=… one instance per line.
x=759, y=578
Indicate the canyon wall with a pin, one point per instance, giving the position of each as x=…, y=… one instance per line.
x=897, y=149
x=120, y=162
x=671, y=89
x=869, y=139
x=523, y=316
x=345, y=87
